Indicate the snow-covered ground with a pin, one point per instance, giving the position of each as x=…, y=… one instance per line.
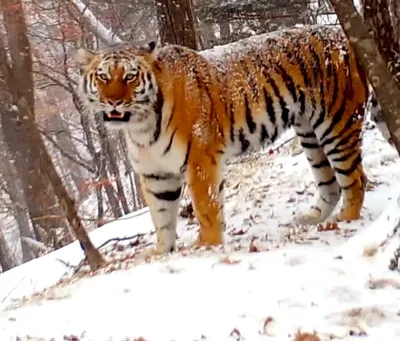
x=270, y=279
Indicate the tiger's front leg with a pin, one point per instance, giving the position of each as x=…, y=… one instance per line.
x=162, y=193
x=206, y=188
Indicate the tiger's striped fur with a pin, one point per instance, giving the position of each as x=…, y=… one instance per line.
x=184, y=113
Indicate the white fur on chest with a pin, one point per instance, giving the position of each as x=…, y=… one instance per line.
x=154, y=160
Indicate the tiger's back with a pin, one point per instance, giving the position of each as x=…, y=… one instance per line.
x=192, y=111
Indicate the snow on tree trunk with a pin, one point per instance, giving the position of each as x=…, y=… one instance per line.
x=95, y=26
x=385, y=87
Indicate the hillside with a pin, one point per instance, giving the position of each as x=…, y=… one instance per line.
x=270, y=279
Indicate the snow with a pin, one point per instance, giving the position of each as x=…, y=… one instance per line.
x=301, y=278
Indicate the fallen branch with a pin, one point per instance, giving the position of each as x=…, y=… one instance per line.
x=83, y=262
x=34, y=243
x=117, y=240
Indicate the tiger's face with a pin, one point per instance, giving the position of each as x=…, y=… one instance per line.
x=118, y=84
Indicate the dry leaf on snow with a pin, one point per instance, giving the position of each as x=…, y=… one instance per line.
x=306, y=336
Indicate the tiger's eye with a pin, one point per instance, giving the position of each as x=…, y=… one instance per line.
x=129, y=76
x=103, y=76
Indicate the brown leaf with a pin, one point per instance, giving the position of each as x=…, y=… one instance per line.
x=240, y=232
x=253, y=248
x=329, y=226
x=306, y=336
x=236, y=334
x=267, y=322
x=383, y=283
x=227, y=260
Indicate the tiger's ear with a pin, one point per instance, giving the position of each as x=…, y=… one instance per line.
x=151, y=49
x=83, y=56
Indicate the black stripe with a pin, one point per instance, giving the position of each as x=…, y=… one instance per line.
x=346, y=156
x=171, y=140
x=250, y=79
x=335, y=90
x=264, y=133
x=288, y=80
x=356, y=162
x=297, y=54
x=355, y=182
x=309, y=145
x=168, y=195
x=346, y=127
x=249, y=119
x=313, y=207
x=282, y=103
x=158, y=110
x=185, y=162
x=269, y=103
x=158, y=177
x=327, y=183
x=170, y=117
x=342, y=143
x=302, y=100
x=322, y=164
x=274, y=135
x=231, y=121
x=306, y=135
x=245, y=144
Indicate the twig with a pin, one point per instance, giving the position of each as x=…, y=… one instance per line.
x=76, y=268
x=11, y=291
x=137, y=236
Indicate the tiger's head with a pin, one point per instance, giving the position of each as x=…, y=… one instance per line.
x=119, y=84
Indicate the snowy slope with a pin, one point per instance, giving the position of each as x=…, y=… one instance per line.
x=293, y=278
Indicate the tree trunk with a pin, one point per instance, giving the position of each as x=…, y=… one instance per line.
x=176, y=22
x=23, y=110
x=385, y=87
x=7, y=261
x=377, y=18
x=39, y=196
x=20, y=208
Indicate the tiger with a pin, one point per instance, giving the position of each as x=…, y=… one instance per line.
x=184, y=113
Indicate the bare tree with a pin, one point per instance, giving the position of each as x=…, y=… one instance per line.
x=17, y=70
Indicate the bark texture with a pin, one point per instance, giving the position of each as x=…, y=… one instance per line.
x=176, y=22
x=382, y=81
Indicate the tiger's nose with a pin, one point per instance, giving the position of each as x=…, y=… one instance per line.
x=114, y=103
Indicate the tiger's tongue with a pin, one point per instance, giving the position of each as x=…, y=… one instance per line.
x=115, y=114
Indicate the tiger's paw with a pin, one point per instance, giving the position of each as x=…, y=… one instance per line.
x=312, y=217
x=347, y=216
x=151, y=252
x=206, y=243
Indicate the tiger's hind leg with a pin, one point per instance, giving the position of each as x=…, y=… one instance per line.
x=328, y=193
x=206, y=188
x=343, y=149
x=162, y=193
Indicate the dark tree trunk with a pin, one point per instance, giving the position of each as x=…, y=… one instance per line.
x=385, y=87
x=176, y=22
x=378, y=19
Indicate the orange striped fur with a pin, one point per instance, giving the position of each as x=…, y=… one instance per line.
x=184, y=113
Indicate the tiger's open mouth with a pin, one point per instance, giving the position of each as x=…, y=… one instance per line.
x=115, y=115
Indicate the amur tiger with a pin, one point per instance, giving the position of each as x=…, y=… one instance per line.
x=185, y=112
